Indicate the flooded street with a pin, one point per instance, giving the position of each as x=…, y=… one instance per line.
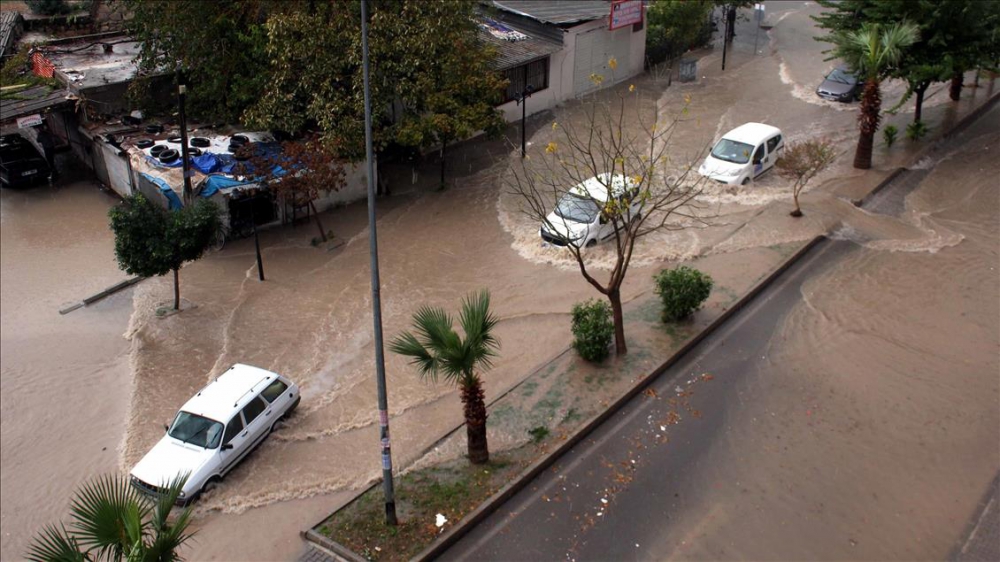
x=79, y=399
x=64, y=380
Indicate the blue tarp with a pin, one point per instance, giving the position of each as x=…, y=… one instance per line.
x=215, y=183
x=173, y=201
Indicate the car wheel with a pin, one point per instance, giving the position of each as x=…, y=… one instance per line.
x=745, y=181
x=591, y=243
x=212, y=484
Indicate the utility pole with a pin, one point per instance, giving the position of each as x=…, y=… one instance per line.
x=383, y=403
x=185, y=162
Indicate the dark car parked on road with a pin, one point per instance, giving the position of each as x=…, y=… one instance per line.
x=840, y=85
x=20, y=163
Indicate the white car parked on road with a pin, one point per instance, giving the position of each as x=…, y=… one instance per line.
x=743, y=154
x=577, y=218
x=216, y=429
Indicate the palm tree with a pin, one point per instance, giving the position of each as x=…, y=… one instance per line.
x=438, y=349
x=111, y=520
x=872, y=52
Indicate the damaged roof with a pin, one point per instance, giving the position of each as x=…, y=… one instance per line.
x=557, y=12
x=517, y=47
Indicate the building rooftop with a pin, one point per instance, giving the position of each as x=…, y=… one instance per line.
x=515, y=47
x=557, y=12
x=103, y=61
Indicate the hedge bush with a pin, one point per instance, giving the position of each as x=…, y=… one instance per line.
x=682, y=290
x=593, y=329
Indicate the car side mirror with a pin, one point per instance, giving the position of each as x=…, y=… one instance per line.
x=604, y=219
x=227, y=446
x=166, y=427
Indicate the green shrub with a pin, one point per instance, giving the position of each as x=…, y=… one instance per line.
x=889, y=134
x=916, y=130
x=593, y=329
x=683, y=290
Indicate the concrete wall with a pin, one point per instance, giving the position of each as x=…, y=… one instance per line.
x=561, y=70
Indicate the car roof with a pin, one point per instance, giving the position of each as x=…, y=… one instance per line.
x=596, y=188
x=229, y=392
x=751, y=133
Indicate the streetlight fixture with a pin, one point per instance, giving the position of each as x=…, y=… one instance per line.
x=521, y=100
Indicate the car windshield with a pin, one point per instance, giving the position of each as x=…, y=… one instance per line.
x=196, y=430
x=576, y=208
x=732, y=151
x=842, y=76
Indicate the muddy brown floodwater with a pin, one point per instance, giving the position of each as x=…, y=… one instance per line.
x=64, y=380
x=79, y=400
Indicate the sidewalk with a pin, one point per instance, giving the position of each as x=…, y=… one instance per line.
x=567, y=397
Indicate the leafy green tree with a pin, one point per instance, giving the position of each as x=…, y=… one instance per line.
x=954, y=37
x=111, y=520
x=48, y=7
x=801, y=162
x=873, y=52
x=218, y=45
x=431, y=78
x=438, y=349
x=150, y=240
x=673, y=26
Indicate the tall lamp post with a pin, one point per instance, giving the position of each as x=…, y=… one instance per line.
x=522, y=99
x=185, y=161
x=383, y=404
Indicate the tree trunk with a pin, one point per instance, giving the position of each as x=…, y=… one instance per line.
x=474, y=405
x=795, y=197
x=615, y=296
x=319, y=225
x=955, y=92
x=868, y=119
x=920, y=90
x=177, y=289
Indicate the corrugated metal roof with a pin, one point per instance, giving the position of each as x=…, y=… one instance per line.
x=10, y=30
x=516, y=53
x=36, y=99
x=557, y=12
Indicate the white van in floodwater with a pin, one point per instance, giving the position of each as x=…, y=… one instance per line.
x=743, y=154
x=577, y=218
x=216, y=429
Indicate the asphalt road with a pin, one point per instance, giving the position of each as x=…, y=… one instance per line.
x=612, y=497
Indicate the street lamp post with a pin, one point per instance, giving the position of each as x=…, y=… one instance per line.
x=383, y=403
x=185, y=161
x=521, y=99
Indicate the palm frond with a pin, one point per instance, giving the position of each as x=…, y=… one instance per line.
x=54, y=544
x=170, y=493
x=433, y=327
x=406, y=344
x=99, y=511
x=478, y=323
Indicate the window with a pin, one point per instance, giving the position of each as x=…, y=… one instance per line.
x=758, y=154
x=233, y=428
x=534, y=74
x=772, y=143
x=273, y=391
x=253, y=409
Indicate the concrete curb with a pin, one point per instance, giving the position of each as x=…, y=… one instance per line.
x=94, y=298
x=335, y=548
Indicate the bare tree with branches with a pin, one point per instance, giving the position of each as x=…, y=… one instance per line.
x=801, y=162
x=609, y=176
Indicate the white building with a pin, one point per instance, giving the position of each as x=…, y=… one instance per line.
x=562, y=48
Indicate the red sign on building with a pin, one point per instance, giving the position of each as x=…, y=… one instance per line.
x=625, y=12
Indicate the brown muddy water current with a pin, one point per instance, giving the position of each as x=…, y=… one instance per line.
x=79, y=400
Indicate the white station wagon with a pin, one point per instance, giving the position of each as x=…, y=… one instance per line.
x=216, y=429
x=577, y=218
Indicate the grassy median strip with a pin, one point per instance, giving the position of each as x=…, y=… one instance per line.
x=450, y=490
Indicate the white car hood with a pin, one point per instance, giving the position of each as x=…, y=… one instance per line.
x=169, y=458
x=568, y=229
x=720, y=169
